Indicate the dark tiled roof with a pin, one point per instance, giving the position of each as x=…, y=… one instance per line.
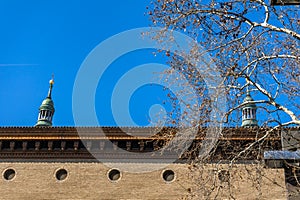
x=125, y=132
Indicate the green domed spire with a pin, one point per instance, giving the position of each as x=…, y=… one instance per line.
x=46, y=110
x=249, y=112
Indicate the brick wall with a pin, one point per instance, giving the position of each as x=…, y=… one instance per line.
x=90, y=181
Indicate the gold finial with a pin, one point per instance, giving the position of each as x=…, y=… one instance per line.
x=51, y=82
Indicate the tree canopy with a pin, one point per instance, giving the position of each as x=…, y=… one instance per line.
x=254, y=45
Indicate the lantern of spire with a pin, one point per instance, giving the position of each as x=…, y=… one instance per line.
x=249, y=112
x=46, y=110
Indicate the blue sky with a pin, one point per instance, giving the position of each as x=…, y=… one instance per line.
x=41, y=38
x=38, y=38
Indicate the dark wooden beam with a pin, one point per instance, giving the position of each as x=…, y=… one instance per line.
x=284, y=2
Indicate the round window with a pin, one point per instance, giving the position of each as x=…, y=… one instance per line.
x=114, y=175
x=223, y=175
x=61, y=174
x=9, y=174
x=168, y=175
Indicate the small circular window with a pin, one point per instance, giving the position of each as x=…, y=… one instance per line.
x=168, y=175
x=114, y=175
x=9, y=174
x=61, y=174
x=224, y=175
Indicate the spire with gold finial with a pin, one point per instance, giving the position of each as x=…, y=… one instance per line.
x=46, y=110
x=51, y=82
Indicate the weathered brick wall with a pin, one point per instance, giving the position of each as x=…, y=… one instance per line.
x=90, y=181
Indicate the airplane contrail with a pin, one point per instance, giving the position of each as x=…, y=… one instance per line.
x=16, y=65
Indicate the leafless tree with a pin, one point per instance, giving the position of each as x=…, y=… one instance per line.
x=255, y=47
x=254, y=44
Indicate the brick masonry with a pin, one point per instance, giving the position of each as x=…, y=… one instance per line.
x=90, y=181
